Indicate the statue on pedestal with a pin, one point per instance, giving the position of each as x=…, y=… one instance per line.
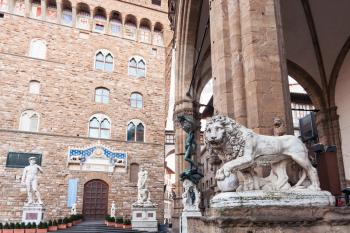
x=143, y=194
x=113, y=208
x=73, y=210
x=30, y=179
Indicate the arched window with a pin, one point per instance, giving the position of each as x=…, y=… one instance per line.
x=136, y=100
x=19, y=8
x=102, y=95
x=36, y=9
x=51, y=11
x=158, y=34
x=38, y=48
x=4, y=5
x=134, y=170
x=34, y=87
x=29, y=121
x=135, y=131
x=99, y=19
x=67, y=13
x=115, y=23
x=130, y=27
x=99, y=126
x=104, y=61
x=145, y=31
x=137, y=67
x=83, y=16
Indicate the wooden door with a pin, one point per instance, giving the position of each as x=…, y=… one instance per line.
x=95, y=204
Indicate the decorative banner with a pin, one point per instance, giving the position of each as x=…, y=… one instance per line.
x=36, y=11
x=83, y=23
x=51, y=14
x=72, y=192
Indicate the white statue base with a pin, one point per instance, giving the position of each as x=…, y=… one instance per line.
x=184, y=216
x=144, y=218
x=33, y=213
x=272, y=198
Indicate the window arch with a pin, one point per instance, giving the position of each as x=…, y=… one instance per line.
x=135, y=131
x=67, y=16
x=134, y=170
x=100, y=18
x=37, y=48
x=137, y=67
x=158, y=34
x=102, y=95
x=145, y=31
x=4, y=5
x=136, y=100
x=29, y=121
x=83, y=16
x=115, y=23
x=104, y=60
x=19, y=7
x=51, y=11
x=34, y=87
x=130, y=27
x=99, y=126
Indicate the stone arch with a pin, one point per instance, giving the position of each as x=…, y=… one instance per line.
x=100, y=13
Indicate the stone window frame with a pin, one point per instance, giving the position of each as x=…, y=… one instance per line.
x=31, y=112
x=137, y=58
x=102, y=88
x=136, y=122
x=31, y=83
x=31, y=49
x=131, y=100
x=105, y=53
x=100, y=117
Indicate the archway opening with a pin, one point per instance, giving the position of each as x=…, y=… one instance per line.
x=95, y=203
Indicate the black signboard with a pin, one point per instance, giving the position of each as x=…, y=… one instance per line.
x=20, y=160
x=308, y=129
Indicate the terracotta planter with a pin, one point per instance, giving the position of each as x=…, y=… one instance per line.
x=76, y=222
x=110, y=224
x=18, y=231
x=41, y=230
x=7, y=230
x=30, y=230
x=127, y=226
x=118, y=225
x=62, y=226
x=69, y=224
x=106, y=222
x=52, y=228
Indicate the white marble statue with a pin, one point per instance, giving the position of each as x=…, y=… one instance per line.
x=191, y=196
x=113, y=208
x=240, y=150
x=143, y=193
x=73, y=210
x=30, y=179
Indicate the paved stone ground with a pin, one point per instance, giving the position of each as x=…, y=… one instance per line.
x=96, y=227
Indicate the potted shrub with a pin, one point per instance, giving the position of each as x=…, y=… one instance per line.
x=52, y=225
x=106, y=219
x=7, y=228
x=30, y=227
x=119, y=222
x=23, y=226
x=80, y=218
x=127, y=224
x=18, y=228
x=110, y=221
x=69, y=222
x=1, y=226
x=61, y=224
x=42, y=227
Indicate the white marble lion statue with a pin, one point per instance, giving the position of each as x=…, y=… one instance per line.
x=239, y=149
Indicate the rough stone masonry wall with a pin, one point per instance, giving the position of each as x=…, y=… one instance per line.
x=66, y=102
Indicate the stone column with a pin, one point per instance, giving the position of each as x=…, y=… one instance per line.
x=43, y=9
x=74, y=16
x=59, y=11
x=27, y=8
x=221, y=58
x=262, y=64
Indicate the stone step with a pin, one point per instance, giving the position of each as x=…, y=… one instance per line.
x=94, y=227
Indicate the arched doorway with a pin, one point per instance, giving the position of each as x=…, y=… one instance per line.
x=95, y=205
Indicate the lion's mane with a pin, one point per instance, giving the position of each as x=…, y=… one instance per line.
x=233, y=141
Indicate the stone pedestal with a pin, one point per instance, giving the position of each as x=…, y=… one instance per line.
x=183, y=221
x=33, y=213
x=273, y=198
x=144, y=218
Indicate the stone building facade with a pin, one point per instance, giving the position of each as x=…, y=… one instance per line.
x=83, y=87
